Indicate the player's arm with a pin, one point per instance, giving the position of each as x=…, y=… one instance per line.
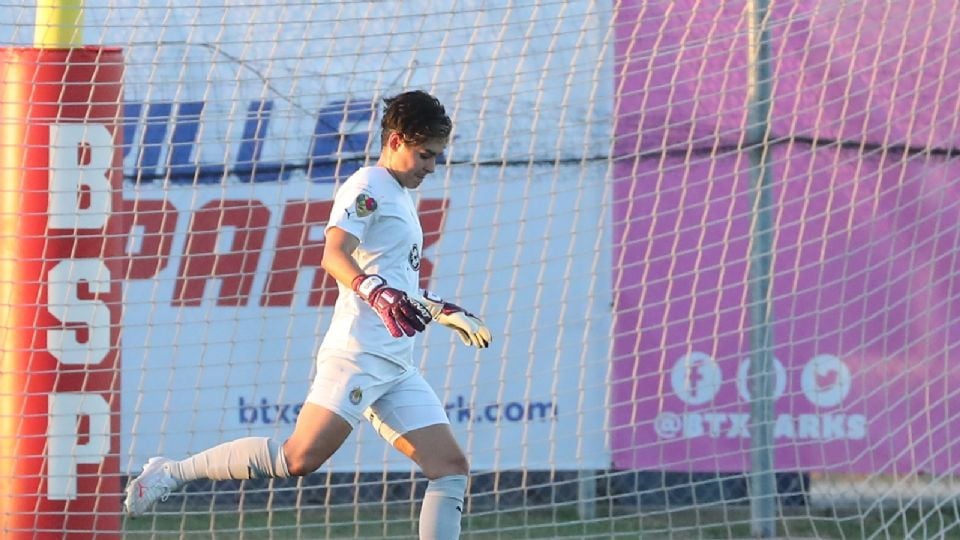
x=399, y=313
x=338, y=258
x=469, y=327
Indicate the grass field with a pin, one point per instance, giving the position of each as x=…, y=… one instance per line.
x=708, y=523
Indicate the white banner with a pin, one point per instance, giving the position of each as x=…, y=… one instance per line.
x=219, y=343
x=238, y=122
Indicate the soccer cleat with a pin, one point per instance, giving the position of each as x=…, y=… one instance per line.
x=154, y=483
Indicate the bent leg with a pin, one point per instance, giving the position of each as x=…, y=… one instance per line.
x=411, y=418
x=339, y=394
x=240, y=459
x=439, y=456
x=318, y=434
x=435, y=450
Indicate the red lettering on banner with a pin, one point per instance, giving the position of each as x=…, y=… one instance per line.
x=157, y=220
x=201, y=262
x=295, y=251
x=432, y=212
x=298, y=248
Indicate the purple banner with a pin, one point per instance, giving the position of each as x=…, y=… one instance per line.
x=865, y=303
x=876, y=72
x=866, y=293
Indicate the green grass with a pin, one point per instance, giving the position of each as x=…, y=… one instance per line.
x=370, y=522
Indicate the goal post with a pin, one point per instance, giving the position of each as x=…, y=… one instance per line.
x=62, y=177
x=594, y=206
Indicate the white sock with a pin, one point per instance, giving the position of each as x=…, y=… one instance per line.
x=442, y=508
x=242, y=459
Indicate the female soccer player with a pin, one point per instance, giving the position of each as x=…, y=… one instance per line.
x=365, y=363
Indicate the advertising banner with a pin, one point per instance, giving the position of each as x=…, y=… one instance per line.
x=225, y=306
x=863, y=302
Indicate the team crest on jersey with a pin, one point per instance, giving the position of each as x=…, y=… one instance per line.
x=365, y=205
x=415, y=257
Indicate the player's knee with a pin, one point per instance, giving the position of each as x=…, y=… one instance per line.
x=302, y=466
x=454, y=464
x=301, y=463
x=460, y=466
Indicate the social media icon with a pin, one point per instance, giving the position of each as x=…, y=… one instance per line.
x=826, y=380
x=696, y=378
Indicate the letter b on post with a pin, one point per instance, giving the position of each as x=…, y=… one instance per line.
x=80, y=189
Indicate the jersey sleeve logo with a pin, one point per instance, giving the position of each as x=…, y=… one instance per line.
x=414, y=257
x=365, y=205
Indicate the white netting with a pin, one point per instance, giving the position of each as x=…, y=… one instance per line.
x=594, y=206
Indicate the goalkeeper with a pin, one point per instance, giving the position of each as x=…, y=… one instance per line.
x=365, y=363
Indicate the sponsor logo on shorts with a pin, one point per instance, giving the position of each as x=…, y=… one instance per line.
x=356, y=395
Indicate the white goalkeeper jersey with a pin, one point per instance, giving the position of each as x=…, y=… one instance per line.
x=372, y=206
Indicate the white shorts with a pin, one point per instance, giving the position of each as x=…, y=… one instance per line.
x=394, y=399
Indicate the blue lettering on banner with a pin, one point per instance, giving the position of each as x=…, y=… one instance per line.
x=331, y=154
x=265, y=412
x=461, y=411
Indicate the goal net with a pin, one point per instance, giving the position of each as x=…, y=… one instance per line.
x=595, y=206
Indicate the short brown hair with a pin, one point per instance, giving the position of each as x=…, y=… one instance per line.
x=417, y=116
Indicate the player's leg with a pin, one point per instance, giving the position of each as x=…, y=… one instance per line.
x=340, y=392
x=411, y=418
x=435, y=450
x=442, y=461
x=319, y=432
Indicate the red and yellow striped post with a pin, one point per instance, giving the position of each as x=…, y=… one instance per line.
x=60, y=291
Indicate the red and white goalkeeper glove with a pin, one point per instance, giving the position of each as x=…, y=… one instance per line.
x=468, y=326
x=399, y=313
